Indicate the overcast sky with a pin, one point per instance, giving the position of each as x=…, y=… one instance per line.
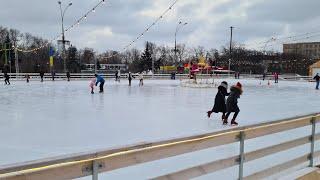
x=117, y=22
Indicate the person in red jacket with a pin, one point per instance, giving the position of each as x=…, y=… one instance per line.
x=232, y=103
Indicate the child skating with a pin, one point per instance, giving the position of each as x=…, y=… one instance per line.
x=232, y=104
x=220, y=100
x=92, y=84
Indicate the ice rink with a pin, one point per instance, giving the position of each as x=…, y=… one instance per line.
x=40, y=120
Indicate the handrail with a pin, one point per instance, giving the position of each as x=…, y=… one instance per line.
x=123, y=75
x=80, y=165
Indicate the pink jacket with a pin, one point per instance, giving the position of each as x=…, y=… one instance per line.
x=92, y=82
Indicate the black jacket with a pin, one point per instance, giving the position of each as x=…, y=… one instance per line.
x=232, y=101
x=220, y=100
x=317, y=78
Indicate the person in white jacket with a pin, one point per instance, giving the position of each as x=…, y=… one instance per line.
x=118, y=75
x=141, y=79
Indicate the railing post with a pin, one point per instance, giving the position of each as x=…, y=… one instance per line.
x=241, y=156
x=312, y=140
x=95, y=168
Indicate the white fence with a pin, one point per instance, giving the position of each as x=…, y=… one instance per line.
x=79, y=76
x=91, y=164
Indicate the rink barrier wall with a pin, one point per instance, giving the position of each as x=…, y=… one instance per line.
x=93, y=163
x=86, y=76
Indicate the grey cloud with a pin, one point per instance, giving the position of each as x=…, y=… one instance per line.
x=262, y=20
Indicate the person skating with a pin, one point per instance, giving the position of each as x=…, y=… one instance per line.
x=6, y=78
x=41, y=75
x=119, y=75
x=130, y=76
x=68, y=76
x=53, y=74
x=101, y=81
x=116, y=76
x=232, y=103
x=141, y=79
x=263, y=76
x=27, y=78
x=91, y=85
x=276, y=77
x=317, y=78
x=220, y=100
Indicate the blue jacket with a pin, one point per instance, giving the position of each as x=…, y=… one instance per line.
x=99, y=80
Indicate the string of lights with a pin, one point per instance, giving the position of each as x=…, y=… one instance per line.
x=284, y=39
x=276, y=42
x=145, y=30
x=75, y=24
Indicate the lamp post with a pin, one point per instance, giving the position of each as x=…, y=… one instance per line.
x=62, y=12
x=231, y=35
x=265, y=53
x=179, y=26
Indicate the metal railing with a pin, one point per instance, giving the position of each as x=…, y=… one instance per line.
x=80, y=76
x=81, y=165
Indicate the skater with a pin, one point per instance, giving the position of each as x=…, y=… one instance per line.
x=130, y=76
x=101, y=81
x=41, y=75
x=116, y=76
x=92, y=84
x=141, y=79
x=119, y=75
x=317, y=78
x=276, y=77
x=232, y=103
x=68, y=76
x=53, y=75
x=6, y=78
x=263, y=76
x=220, y=100
x=27, y=78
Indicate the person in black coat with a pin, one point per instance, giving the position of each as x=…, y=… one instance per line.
x=68, y=76
x=220, y=100
x=41, y=75
x=6, y=78
x=130, y=76
x=232, y=103
x=317, y=78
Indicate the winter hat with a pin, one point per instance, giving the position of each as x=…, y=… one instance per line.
x=224, y=84
x=239, y=85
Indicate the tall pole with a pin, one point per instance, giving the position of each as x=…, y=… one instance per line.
x=16, y=57
x=230, y=51
x=180, y=24
x=63, y=36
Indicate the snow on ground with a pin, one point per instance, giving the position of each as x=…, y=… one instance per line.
x=47, y=119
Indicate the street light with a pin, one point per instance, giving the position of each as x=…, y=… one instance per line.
x=63, y=37
x=179, y=26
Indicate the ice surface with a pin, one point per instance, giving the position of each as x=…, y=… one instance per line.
x=47, y=119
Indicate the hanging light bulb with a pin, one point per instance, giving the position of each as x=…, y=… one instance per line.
x=93, y=10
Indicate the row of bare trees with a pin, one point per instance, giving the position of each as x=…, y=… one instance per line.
x=241, y=59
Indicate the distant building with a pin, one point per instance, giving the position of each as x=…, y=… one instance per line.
x=314, y=69
x=308, y=49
